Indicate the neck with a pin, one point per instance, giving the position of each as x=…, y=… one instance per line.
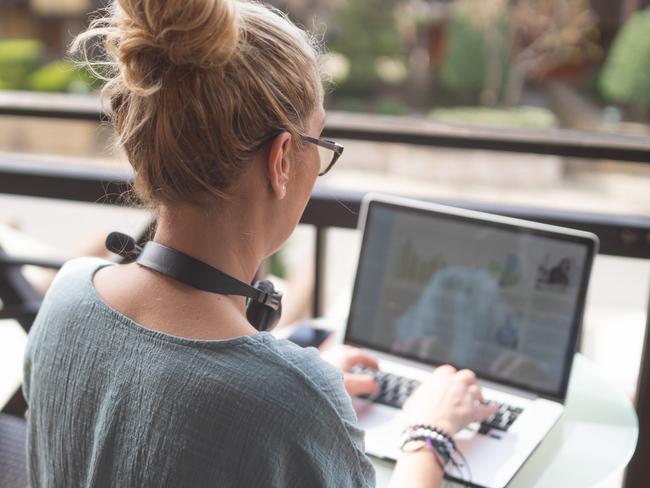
x=224, y=239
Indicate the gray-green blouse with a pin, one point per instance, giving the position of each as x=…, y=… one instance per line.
x=113, y=404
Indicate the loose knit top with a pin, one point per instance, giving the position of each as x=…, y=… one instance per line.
x=112, y=403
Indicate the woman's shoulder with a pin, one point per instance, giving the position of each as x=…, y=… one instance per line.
x=71, y=288
x=85, y=265
x=301, y=370
x=303, y=404
x=76, y=275
x=305, y=361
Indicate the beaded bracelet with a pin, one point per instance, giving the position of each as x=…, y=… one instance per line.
x=435, y=439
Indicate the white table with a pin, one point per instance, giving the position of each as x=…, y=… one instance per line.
x=13, y=338
x=588, y=447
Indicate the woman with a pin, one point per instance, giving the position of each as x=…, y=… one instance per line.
x=134, y=379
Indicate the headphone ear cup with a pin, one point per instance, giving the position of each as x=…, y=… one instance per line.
x=260, y=315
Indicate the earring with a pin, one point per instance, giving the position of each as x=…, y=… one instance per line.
x=284, y=188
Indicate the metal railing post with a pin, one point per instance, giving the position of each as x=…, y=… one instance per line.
x=638, y=470
x=320, y=256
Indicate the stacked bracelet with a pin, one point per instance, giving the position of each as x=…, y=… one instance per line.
x=435, y=439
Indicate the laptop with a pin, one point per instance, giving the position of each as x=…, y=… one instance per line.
x=500, y=296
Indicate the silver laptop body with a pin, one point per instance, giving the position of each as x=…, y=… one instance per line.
x=501, y=296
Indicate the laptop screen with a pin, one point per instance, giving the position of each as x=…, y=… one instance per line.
x=500, y=299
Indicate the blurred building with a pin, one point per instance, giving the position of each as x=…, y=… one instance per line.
x=612, y=14
x=54, y=22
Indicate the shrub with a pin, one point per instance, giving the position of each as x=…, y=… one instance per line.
x=18, y=58
x=60, y=76
x=519, y=117
x=365, y=32
x=469, y=57
x=625, y=78
x=463, y=71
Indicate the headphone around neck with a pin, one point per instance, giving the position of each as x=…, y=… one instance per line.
x=264, y=304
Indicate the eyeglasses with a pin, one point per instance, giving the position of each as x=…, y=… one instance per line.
x=328, y=151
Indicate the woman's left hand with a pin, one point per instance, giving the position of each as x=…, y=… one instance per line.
x=344, y=358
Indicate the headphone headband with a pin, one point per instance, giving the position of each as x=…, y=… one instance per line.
x=264, y=303
x=197, y=274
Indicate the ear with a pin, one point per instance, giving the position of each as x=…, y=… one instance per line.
x=278, y=164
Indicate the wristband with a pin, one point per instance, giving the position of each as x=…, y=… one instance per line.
x=435, y=439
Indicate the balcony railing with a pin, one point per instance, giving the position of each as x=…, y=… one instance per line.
x=627, y=236
x=557, y=142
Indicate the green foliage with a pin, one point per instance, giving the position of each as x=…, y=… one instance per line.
x=625, y=78
x=60, y=76
x=366, y=32
x=523, y=117
x=348, y=103
x=18, y=58
x=463, y=74
x=464, y=67
x=20, y=69
x=392, y=106
x=277, y=266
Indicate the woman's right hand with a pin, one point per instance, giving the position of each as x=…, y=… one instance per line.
x=448, y=400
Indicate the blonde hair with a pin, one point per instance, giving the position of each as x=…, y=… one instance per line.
x=197, y=86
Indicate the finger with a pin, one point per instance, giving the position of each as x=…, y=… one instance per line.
x=466, y=376
x=445, y=369
x=360, y=384
x=356, y=356
x=484, y=411
x=474, y=392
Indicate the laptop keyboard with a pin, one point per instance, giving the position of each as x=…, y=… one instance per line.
x=394, y=390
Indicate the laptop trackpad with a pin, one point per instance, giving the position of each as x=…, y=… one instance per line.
x=383, y=426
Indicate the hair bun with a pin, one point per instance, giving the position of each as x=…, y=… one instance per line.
x=200, y=33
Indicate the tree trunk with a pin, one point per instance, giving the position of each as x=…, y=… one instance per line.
x=493, y=68
x=628, y=9
x=515, y=85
